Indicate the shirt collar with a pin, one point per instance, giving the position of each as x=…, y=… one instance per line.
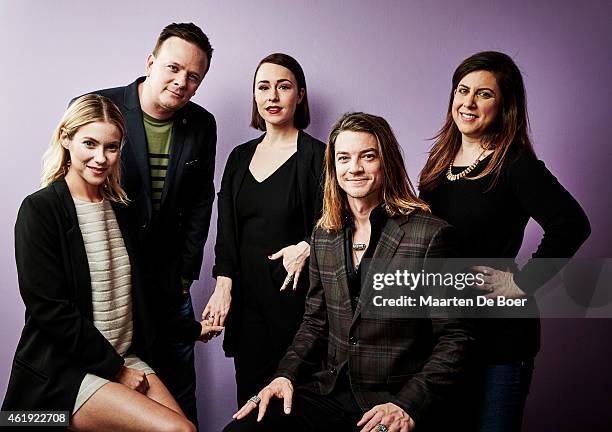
x=378, y=216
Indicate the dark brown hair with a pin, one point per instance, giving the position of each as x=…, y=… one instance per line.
x=398, y=194
x=189, y=32
x=301, y=119
x=510, y=128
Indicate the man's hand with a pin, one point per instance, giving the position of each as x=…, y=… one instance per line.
x=280, y=387
x=390, y=415
x=134, y=379
x=209, y=331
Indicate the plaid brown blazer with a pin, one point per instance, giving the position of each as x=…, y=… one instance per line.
x=408, y=361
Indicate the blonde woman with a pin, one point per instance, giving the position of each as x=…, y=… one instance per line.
x=87, y=334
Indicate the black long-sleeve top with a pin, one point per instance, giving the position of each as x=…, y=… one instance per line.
x=490, y=223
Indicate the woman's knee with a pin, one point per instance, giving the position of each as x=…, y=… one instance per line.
x=181, y=425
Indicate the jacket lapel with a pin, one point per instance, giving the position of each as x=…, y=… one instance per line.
x=141, y=319
x=390, y=239
x=137, y=142
x=80, y=270
x=337, y=245
x=306, y=184
x=179, y=129
x=244, y=159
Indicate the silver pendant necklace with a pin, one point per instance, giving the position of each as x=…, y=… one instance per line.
x=359, y=246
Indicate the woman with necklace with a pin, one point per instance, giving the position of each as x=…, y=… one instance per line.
x=269, y=200
x=483, y=177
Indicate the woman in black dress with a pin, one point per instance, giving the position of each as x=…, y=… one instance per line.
x=269, y=200
x=483, y=177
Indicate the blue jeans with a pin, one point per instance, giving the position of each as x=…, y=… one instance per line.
x=178, y=370
x=505, y=389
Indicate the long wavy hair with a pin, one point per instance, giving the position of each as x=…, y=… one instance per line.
x=86, y=109
x=508, y=131
x=398, y=195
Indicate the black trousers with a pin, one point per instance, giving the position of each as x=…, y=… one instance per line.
x=266, y=332
x=336, y=412
x=174, y=359
x=339, y=412
x=177, y=366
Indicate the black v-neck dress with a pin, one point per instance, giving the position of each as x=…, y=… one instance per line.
x=270, y=217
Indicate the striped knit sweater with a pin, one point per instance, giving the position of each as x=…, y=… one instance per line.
x=110, y=271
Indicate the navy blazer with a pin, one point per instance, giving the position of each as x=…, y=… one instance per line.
x=310, y=156
x=59, y=343
x=181, y=229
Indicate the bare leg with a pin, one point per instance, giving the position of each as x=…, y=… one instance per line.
x=160, y=394
x=115, y=408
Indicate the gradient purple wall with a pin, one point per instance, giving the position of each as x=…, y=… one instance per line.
x=392, y=58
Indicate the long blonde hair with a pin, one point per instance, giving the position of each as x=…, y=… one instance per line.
x=86, y=109
x=398, y=195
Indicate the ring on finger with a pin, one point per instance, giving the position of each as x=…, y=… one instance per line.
x=288, y=280
x=255, y=399
x=381, y=428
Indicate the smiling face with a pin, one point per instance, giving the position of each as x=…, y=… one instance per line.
x=94, y=152
x=173, y=76
x=476, y=104
x=358, y=168
x=276, y=95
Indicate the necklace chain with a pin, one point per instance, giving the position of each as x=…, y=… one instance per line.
x=466, y=171
x=357, y=260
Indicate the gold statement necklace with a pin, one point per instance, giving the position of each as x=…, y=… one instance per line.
x=466, y=171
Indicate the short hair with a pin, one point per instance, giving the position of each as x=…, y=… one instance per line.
x=510, y=130
x=398, y=194
x=84, y=110
x=301, y=118
x=189, y=32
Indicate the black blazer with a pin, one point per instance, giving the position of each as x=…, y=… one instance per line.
x=59, y=342
x=310, y=156
x=181, y=229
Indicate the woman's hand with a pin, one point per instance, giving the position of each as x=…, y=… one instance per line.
x=498, y=283
x=294, y=259
x=209, y=331
x=218, y=305
x=134, y=379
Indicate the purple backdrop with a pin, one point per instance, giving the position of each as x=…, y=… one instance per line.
x=393, y=58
